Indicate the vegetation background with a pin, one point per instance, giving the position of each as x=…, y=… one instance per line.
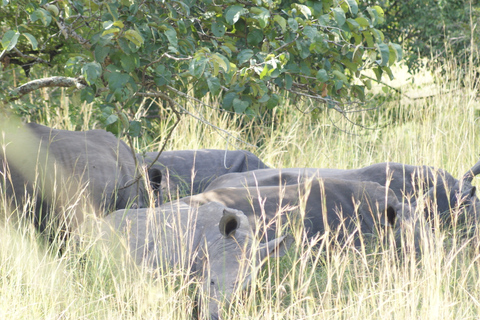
x=433, y=121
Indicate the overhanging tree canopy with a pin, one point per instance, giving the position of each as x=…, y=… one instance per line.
x=247, y=53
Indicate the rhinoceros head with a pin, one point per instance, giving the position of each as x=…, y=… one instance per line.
x=229, y=255
x=454, y=201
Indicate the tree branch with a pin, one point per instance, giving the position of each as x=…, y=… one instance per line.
x=28, y=87
x=68, y=31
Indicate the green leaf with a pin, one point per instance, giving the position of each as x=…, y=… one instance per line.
x=262, y=16
x=378, y=73
x=288, y=81
x=397, y=50
x=254, y=37
x=110, y=31
x=117, y=80
x=42, y=15
x=352, y=4
x=134, y=128
x=384, y=52
x=214, y=86
x=354, y=25
x=129, y=62
x=379, y=37
x=197, y=66
x=171, y=35
x=281, y=22
x=101, y=53
x=369, y=38
x=32, y=40
x=239, y=105
x=222, y=61
x=273, y=101
x=9, y=40
x=162, y=76
x=340, y=76
x=310, y=32
x=87, y=94
x=322, y=75
x=339, y=16
x=380, y=14
x=91, y=71
x=228, y=100
x=363, y=22
x=111, y=119
x=244, y=56
x=293, y=24
x=134, y=37
x=233, y=13
x=389, y=72
x=303, y=9
x=218, y=29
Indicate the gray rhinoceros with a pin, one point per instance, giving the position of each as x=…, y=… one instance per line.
x=55, y=176
x=214, y=242
x=444, y=194
x=188, y=172
x=346, y=208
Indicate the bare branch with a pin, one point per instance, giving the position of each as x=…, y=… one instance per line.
x=68, y=31
x=28, y=87
x=25, y=56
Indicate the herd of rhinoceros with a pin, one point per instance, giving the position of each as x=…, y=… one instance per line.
x=218, y=202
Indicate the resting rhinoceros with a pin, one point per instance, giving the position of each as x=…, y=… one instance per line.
x=443, y=192
x=345, y=207
x=214, y=242
x=57, y=175
x=188, y=172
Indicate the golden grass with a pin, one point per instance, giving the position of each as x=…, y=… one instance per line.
x=310, y=283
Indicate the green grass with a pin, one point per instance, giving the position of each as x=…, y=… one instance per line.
x=309, y=283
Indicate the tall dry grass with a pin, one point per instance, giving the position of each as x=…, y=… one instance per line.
x=311, y=282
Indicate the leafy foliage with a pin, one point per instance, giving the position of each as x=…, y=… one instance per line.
x=246, y=53
x=438, y=29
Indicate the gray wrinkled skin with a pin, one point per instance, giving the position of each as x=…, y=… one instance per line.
x=211, y=241
x=344, y=207
x=446, y=197
x=65, y=173
x=188, y=172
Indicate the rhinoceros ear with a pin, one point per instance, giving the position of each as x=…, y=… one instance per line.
x=275, y=248
x=230, y=222
x=473, y=191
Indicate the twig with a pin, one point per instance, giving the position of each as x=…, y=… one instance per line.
x=25, y=56
x=68, y=31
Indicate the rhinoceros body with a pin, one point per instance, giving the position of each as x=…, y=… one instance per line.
x=444, y=194
x=187, y=172
x=211, y=241
x=59, y=175
x=346, y=208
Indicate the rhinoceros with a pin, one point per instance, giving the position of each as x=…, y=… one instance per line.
x=213, y=242
x=55, y=176
x=347, y=208
x=188, y=172
x=442, y=191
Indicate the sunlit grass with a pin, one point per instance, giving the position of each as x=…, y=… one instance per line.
x=311, y=282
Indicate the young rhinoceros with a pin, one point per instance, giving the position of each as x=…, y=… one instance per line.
x=214, y=242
